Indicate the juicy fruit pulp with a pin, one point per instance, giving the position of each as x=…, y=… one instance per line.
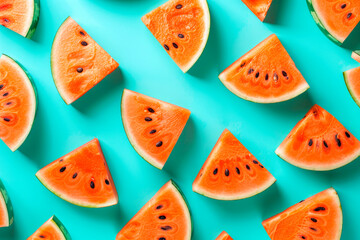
x=52, y=229
x=352, y=80
x=182, y=28
x=318, y=217
x=319, y=142
x=21, y=16
x=165, y=216
x=258, y=7
x=266, y=74
x=152, y=126
x=6, y=209
x=356, y=55
x=335, y=18
x=17, y=103
x=231, y=172
x=224, y=236
x=78, y=63
x=81, y=177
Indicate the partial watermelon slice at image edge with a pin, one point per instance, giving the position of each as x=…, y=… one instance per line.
x=35, y=20
x=6, y=204
x=56, y=225
x=31, y=87
x=356, y=55
x=350, y=87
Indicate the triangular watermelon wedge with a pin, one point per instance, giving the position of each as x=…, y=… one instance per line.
x=231, y=172
x=21, y=16
x=6, y=209
x=152, y=126
x=352, y=81
x=356, y=55
x=258, y=7
x=78, y=63
x=318, y=217
x=319, y=142
x=52, y=229
x=266, y=74
x=81, y=177
x=224, y=236
x=165, y=216
x=182, y=28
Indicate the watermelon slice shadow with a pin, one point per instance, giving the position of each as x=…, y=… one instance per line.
x=352, y=41
x=275, y=11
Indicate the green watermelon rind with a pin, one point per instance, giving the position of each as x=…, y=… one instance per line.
x=356, y=100
x=35, y=95
x=7, y=201
x=35, y=20
x=61, y=227
x=320, y=24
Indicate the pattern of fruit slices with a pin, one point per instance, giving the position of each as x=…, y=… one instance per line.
x=317, y=211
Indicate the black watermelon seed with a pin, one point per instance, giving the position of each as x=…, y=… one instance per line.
x=301, y=201
x=62, y=169
x=5, y=94
x=159, y=144
x=215, y=171
x=314, y=220
x=151, y=110
x=310, y=142
x=276, y=77
x=162, y=238
x=107, y=182
x=152, y=131
x=343, y=6
x=284, y=73
x=7, y=119
x=314, y=229
x=325, y=144
x=159, y=207
x=261, y=166
x=92, y=184
x=242, y=64
x=148, y=119
x=349, y=15
x=347, y=134
x=267, y=77
x=8, y=103
x=162, y=217
x=1, y=86
x=74, y=176
x=166, y=228
x=175, y=45
x=82, y=33
x=166, y=47
x=227, y=173
x=250, y=71
x=84, y=43
x=257, y=75
x=237, y=170
x=319, y=209
x=247, y=167
x=42, y=236
x=181, y=35
x=303, y=237
x=6, y=20
x=338, y=141
x=79, y=70
x=256, y=162
x=179, y=6
x=61, y=160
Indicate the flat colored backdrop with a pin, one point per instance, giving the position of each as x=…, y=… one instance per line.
x=145, y=67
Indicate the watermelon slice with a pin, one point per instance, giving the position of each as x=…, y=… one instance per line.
x=6, y=209
x=266, y=74
x=231, y=172
x=356, y=55
x=78, y=63
x=152, y=126
x=52, y=229
x=81, y=177
x=318, y=217
x=258, y=7
x=21, y=16
x=335, y=18
x=165, y=216
x=352, y=80
x=17, y=103
x=319, y=142
x=224, y=236
x=182, y=28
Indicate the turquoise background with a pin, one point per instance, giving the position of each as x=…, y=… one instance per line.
x=145, y=67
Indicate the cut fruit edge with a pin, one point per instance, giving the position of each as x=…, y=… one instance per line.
x=351, y=91
x=6, y=204
x=34, y=20
x=356, y=55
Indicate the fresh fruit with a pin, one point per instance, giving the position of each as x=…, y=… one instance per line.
x=165, y=216
x=352, y=80
x=318, y=217
x=182, y=28
x=78, y=63
x=266, y=74
x=17, y=103
x=6, y=209
x=258, y=7
x=231, y=172
x=52, y=229
x=152, y=126
x=319, y=142
x=21, y=16
x=335, y=18
x=81, y=177
x=224, y=236
x=356, y=55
